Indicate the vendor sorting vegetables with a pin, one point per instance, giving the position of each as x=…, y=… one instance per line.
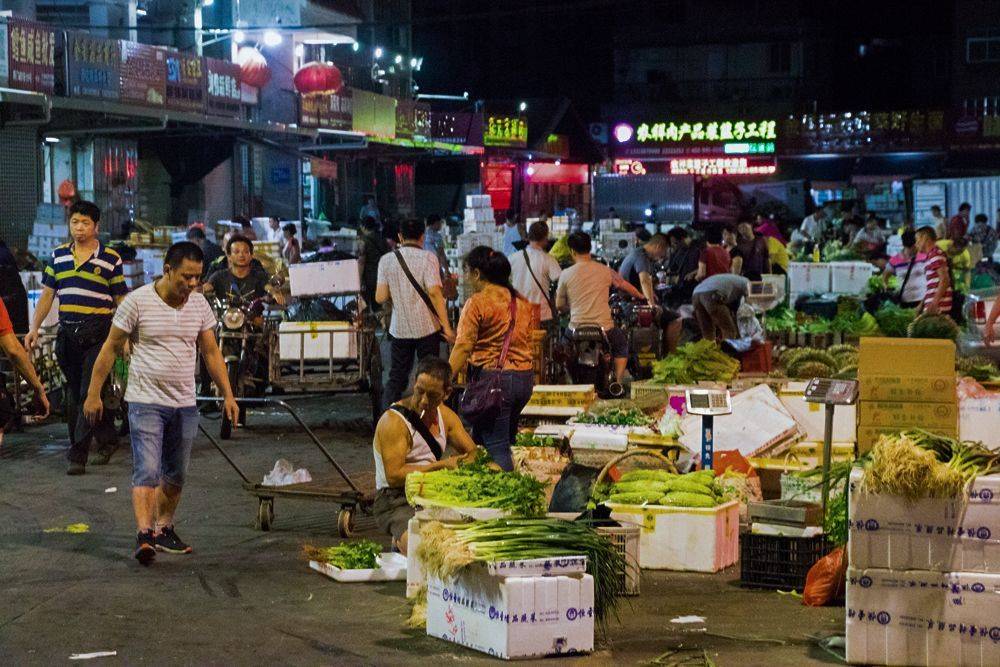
x=715, y=301
x=412, y=436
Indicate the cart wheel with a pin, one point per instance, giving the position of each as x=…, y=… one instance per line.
x=345, y=522
x=265, y=514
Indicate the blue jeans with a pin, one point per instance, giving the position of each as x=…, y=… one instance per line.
x=497, y=432
x=161, y=442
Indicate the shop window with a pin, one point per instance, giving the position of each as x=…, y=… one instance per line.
x=982, y=50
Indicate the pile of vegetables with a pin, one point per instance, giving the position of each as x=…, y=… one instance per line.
x=445, y=550
x=475, y=484
x=933, y=326
x=695, y=362
x=852, y=319
x=835, y=251
x=357, y=555
x=616, y=416
x=919, y=464
x=804, y=363
x=893, y=320
x=659, y=487
x=527, y=439
x=977, y=367
x=878, y=285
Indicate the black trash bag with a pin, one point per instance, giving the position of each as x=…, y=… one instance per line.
x=572, y=491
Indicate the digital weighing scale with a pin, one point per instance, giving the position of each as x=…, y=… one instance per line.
x=830, y=393
x=708, y=403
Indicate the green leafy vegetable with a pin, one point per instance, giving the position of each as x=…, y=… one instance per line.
x=526, y=439
x=616, y=417
x=358, y=555
x=894, y=320
x=695, y=362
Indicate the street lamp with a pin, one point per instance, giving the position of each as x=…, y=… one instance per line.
x=398, y=59
x=272, y=38
x=378, y=52
x=523, y=106
x=239, y=36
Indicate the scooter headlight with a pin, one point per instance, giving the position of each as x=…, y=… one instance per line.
x=233, y=318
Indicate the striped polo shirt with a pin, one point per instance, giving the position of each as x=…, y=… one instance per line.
x=89, y=289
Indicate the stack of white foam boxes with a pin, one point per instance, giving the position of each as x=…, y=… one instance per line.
x=50, y=230
x=479, y=216
x=923, y=587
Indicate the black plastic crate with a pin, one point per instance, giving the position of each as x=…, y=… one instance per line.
x=773, y=561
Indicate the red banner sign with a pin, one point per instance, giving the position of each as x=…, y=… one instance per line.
x=32, y=61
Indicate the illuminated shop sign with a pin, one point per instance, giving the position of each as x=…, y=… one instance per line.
x=628, y=167
x=511, y=131
x=731, y=166
x=746, y=148
x=687, y=132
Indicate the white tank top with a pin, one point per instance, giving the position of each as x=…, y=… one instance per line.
x=420, y=451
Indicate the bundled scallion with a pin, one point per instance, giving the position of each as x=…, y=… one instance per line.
x=357, y=555
x=445, y=550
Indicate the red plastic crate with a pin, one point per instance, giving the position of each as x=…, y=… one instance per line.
x=757, y=359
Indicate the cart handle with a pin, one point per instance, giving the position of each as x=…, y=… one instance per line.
x=295, y=416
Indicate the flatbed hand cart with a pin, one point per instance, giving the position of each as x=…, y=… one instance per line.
x=337, y=488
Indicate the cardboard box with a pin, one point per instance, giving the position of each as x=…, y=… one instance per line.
x=513, y=617
x=695, y=539
x=811, y=417
x=908, y=415
x=920, y=357
x=918, y=388
x=939, y=534
x=320, y=278
x=922, y=618
x=869, y=435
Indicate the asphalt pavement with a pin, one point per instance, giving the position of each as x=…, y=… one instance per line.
x=247, y=597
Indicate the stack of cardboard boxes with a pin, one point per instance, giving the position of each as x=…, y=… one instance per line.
x=905, y=383
x=50, y=231
x=479, y=216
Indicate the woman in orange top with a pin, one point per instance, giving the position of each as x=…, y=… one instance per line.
x=479, y=342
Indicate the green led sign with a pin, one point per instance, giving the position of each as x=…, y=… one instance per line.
x=746, y=148
x=712, y=131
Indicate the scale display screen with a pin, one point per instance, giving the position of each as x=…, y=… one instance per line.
x=832, y=392
x=709, y=403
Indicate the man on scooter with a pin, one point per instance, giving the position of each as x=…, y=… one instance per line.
x=638, y=269
x=584, y=291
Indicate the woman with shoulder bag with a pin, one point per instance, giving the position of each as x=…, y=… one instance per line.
x=494, y=338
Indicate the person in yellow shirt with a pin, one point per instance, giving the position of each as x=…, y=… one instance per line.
x=777, y=251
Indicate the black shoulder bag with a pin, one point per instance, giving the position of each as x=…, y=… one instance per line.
x=420, y=427
x=545, y=292
x=483, y=397
x=420, y=290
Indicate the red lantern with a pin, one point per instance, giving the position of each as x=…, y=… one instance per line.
x=318, y=78
x=254, y=69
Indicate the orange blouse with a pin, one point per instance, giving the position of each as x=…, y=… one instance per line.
x=484, y=322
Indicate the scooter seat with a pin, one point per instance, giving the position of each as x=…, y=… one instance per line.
x=587, y=334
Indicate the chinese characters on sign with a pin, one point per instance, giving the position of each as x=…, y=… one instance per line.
x=505, y=131
x=31, y=56
x=864, y=130
x=706, y=131
x=736, y=166
x=94, y=67
x=144, y=74
x=185, y=82
x=223, y=89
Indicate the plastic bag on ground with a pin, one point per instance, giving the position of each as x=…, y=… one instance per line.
x=825, y=580
x=284, y=474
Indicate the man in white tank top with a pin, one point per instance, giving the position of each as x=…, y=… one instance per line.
x=400, y=448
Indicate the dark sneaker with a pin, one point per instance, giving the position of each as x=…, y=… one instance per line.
x=167, y=540
x=145, y=551
x=76, y=468
x=101, y=457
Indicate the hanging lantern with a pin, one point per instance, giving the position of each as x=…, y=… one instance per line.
x=67, y=192
x=318, y=78
x=254, y=69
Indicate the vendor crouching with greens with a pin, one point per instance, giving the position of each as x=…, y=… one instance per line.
x=412, y=435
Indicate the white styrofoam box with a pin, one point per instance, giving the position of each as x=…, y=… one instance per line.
x=698, y=539
x=51, y=213
x=617, y=244
x=900, y=617
x=811, y=417
x=479, y=215
x=467, y=242
x=850, y=277
x=52, y=318
x=132, y=268
x=808, y=277
x=391, y=567
x=599, y=436
x=317, y=340
x=487, y=227
x=979, y=419
x=152, y=261
x=478, y=201
x=58, y=229
x=513, y=617
x=940, y=534
x=611, y=224
x=32, y=280
x=316, y=278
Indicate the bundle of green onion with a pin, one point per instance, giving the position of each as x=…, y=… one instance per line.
x=476, y=485
x=358, y=555
x=445, y=550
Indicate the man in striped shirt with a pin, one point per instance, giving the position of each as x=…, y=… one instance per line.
x=87, y=277
x=937, y=299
